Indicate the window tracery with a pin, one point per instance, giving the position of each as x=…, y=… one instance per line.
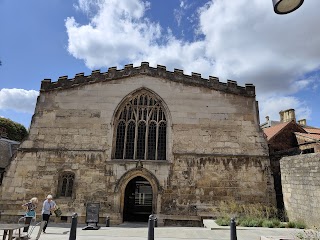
x=141, y=129
x=66, y=184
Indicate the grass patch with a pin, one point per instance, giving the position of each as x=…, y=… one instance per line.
x=291, y=225
x=252, y=210
x=250, y=222
x=223, y=221
x=276, y=222
x=252, y=215
x=300, y=225
x=282, y=225
x=268, y=224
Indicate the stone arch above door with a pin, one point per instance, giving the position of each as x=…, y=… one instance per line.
x=131, y=174
x=137, y=172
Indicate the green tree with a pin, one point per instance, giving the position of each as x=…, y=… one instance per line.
x=12, y=130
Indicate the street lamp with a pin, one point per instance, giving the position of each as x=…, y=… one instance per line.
x=286, y=6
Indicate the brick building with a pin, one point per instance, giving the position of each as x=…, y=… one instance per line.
x=141, y=140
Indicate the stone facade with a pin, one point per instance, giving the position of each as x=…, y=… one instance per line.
x=215, y=149
x=300, y=178
x=7, y=149
x=288, y=138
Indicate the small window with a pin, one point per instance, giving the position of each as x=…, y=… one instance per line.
x=64, y=218
x=66, y=184
x=308, y=150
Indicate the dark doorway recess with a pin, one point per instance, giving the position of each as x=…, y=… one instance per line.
x=137, y=200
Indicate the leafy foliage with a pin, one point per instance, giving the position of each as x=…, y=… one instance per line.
x=250, y=222
x=14, y=131
x=223, y=221
x=251, y=215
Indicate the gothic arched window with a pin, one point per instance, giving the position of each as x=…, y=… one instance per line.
x=66, y=184
x=141, y=129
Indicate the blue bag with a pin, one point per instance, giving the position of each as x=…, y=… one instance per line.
x=30, y=213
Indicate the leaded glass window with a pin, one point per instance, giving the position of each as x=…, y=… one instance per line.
x=152, y=136
x=162, y=141
x=66, y=184
x=120, y=139
x=131, y=130
x=141, y=129
x=141, y=143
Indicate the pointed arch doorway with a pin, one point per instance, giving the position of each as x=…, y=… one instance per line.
x=137, y=200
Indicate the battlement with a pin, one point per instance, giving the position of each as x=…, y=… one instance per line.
x=177, y=75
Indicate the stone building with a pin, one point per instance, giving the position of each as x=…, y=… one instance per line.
x=141, y=140
x=300, y=177
x=294, y=154
x=7, y=149
x=288, y=137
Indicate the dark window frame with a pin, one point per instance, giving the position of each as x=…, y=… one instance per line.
x=66, y=185
x=137, y=115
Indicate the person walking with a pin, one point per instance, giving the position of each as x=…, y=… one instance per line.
x=30, y=212
x=48, y=206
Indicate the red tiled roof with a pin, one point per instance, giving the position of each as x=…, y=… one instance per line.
x=312, y=130
x=311, y=136
x=272, y=131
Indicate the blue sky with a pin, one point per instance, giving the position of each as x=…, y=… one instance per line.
x=240, y=40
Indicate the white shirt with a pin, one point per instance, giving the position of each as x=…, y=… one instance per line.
x=46, y=207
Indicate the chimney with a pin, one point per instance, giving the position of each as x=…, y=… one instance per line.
x=302, y=122
x=287, y=115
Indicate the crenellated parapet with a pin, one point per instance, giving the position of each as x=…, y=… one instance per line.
x=177, y=75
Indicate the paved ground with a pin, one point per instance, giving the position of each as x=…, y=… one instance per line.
x=140, y=231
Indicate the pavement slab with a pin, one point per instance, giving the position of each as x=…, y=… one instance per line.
x=128, y=231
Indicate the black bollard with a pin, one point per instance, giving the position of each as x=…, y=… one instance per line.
x=155, y=222
x=73, y=229
x=151, y=228
x=233, y=229
x=107, y=221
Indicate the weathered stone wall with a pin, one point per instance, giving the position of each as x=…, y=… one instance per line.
x=4, y=154
x=300, y=176
x=276, y=172
x=202, y=120
x=7, y=149
x=199, y=182
x=215, y=150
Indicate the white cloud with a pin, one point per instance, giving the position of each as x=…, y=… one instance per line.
x=116, y=33
x=20, y=100
x=180, y=12
x=271, y=106
x=252, y=44
x=182, y=4
x=246, y=42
